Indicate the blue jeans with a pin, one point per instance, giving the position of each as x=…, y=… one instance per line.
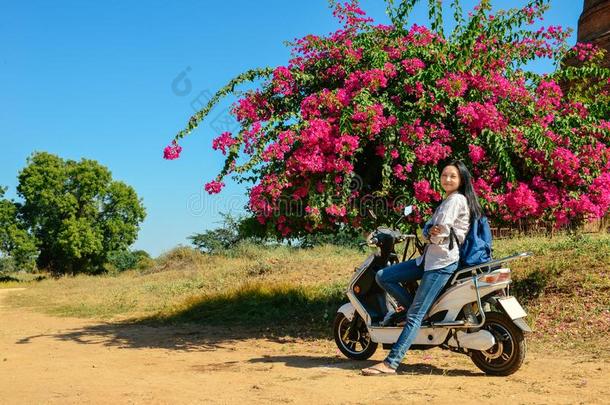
x=432, y=282
x=390, y=277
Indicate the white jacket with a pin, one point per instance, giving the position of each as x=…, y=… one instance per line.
x=452, y=213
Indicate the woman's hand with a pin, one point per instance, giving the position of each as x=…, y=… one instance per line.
x=435, y=230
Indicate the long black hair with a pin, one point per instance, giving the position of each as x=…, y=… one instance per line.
x=467, y=190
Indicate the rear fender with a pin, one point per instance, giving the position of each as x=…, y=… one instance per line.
x=517, y=318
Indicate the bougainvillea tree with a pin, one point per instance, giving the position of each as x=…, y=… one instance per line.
x=364, y=117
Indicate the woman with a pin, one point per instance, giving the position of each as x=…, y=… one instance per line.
x=435, y=266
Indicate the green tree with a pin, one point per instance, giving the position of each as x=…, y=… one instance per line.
x=221, y=238
x=14, y=239
x=76, y=212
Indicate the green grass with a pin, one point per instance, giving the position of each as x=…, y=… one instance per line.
x=565, y=287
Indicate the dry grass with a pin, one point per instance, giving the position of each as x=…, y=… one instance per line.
x=565, y=288
x=183, y=275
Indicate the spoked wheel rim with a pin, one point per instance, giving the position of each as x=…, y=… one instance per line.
x=503, y=351
x=354, y=340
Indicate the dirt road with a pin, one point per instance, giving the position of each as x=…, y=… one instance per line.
x=65, y=360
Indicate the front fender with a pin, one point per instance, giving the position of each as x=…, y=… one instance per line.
x=348, y=310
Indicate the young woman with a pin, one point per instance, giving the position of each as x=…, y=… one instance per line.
x=435, y=266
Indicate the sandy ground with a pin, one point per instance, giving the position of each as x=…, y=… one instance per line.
x=65, y=360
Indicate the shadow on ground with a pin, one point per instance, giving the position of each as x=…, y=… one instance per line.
x=528, y=289
x=339, y=363
x=207, y=323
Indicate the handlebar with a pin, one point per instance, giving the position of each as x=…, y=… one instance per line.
x=400, y=238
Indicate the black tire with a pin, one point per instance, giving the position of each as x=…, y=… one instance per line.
x=507, y=355
x=353, y=338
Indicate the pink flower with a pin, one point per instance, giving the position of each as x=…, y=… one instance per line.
x=283, y=82
x=417, y=90
x=420, y=36
x=223, y=142
x=599, y=192
x=350, y=14
x=432, y=153
x=214, y=187
x=453, y=84
x=478, y=116
x=389, y=69
x=347, y=145
x=373, y=80
x=566, y=165
x=335, y=211
x=285, y=230
x=424, y=193
x=172, y=151
x=476, y=153
x=413, y=65
x=482, y=189
x=245, y=109
x=548, y=190
x=549, y=94
x=300, y=193
x=253, y=107
x=399, y=172
x=585, y=51
x=314, y=211
x=521, y=202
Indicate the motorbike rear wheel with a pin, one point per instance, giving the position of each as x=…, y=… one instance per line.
x=507, y=355
x=352, y=337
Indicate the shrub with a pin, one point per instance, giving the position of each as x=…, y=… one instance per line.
x=7, y=265
x=365, y=116
x=180, y=257
x=127, y=260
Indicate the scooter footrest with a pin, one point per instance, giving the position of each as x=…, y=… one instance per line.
x=448, y=323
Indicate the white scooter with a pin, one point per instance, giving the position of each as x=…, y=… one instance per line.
x=474, y=314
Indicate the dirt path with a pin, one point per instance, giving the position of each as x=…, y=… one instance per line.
x=64, y=360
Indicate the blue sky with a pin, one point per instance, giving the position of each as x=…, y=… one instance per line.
x=98, y=80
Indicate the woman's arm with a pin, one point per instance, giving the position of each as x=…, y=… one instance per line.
x=446, y=218
x=426, y=230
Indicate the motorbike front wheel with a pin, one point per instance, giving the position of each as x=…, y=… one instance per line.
x=506, y=356
x=352, y=337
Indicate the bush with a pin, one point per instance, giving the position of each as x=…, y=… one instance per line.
x=128, y=260
x=15, y=241
x=178, y=258
x=346, y=237
x=232, y=231
x=7, y=265
x=369, y=113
